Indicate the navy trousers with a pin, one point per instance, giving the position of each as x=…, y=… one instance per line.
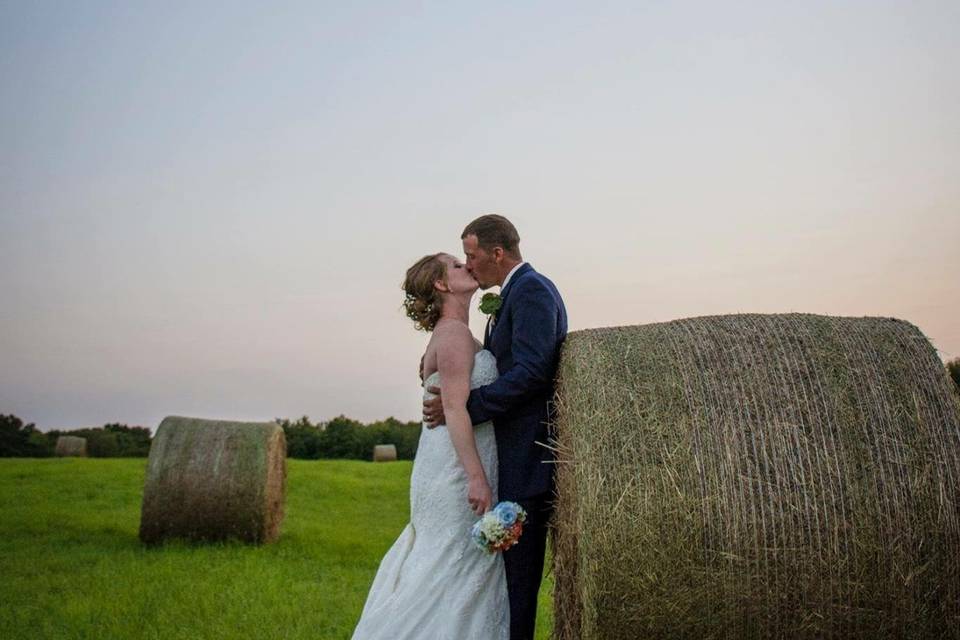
x=524, y=566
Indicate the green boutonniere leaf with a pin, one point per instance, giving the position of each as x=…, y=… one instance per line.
x=490, y=303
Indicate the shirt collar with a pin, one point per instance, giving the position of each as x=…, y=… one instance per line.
x=509, y=275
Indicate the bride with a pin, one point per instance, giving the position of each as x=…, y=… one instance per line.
x=434, y=583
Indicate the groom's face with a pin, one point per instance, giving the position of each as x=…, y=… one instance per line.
x=481, y=264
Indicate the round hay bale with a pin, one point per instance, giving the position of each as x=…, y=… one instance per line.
x=757, y=476
x=71, y=446
x=213, y=480
x=384, y=453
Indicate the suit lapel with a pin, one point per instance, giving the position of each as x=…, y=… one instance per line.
x=516, y=276
x=503, y=300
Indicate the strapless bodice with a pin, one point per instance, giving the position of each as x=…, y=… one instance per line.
x=484, y=372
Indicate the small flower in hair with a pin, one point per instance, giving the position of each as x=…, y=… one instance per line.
x=490, y=303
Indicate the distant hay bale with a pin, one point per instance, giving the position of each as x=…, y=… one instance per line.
x=384, y=453
x=71, y=446
x=757, y=476
x=214, y=480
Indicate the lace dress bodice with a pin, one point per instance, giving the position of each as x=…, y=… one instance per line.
x=484, y=372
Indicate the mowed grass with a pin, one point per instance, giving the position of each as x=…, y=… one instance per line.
x=71, y=565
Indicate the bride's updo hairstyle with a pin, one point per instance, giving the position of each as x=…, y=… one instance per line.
x=423, y=303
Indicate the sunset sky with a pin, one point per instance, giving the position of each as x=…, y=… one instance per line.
x=209, y=211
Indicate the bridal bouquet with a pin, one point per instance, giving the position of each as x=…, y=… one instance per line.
x=500, y=528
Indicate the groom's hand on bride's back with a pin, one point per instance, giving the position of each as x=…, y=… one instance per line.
x=433, y=409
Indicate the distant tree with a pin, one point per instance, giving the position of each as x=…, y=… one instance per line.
x=953, y=366
x=303, y=438
x=40, y=445
x=102, y=444
x=22, y=440
x=11, y=435
x=340, y=438
x=133, y=442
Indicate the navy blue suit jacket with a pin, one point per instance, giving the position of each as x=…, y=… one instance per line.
x=526, y=337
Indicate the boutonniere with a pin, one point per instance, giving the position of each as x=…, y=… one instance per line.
x=490, y=303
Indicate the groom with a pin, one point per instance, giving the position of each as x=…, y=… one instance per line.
x=525, y=335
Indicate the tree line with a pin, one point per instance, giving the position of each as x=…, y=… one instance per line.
x=340, y=437
x=343, y=437
x=109, y=441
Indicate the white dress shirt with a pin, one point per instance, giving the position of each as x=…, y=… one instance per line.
x=507, y=279
x=492, y=320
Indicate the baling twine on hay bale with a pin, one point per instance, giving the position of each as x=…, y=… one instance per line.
x=384, y=453
x=70, y=446
x=214, y=480
x=757, y=476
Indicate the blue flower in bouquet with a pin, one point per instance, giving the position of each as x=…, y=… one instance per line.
x=507, y=512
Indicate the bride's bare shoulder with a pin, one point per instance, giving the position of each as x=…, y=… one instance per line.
x=447, y=328
x=452, y=334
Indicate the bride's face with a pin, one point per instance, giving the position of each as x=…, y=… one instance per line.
x=459, y=279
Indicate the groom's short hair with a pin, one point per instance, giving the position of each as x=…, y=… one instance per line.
x=494, y=231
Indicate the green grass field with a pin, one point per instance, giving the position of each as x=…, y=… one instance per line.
x=71, y=565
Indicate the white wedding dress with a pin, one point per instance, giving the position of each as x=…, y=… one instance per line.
x=434, y=583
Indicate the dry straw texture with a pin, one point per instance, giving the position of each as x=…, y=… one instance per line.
x=384, y=453
x=71, y=446
x=212, y=480
x=757, y=476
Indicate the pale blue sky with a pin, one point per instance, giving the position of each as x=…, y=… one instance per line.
x=208, y=210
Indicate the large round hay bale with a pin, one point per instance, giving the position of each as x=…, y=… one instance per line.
x=757, y=476
x=71, y=446
x=214, y=480
x=384, y=453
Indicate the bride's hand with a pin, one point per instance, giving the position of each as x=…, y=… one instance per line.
x=479, y=495
x=433, y=409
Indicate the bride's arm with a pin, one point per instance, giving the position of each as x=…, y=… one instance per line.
x=455, y=353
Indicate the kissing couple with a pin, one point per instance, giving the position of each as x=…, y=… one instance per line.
x=486, y=410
